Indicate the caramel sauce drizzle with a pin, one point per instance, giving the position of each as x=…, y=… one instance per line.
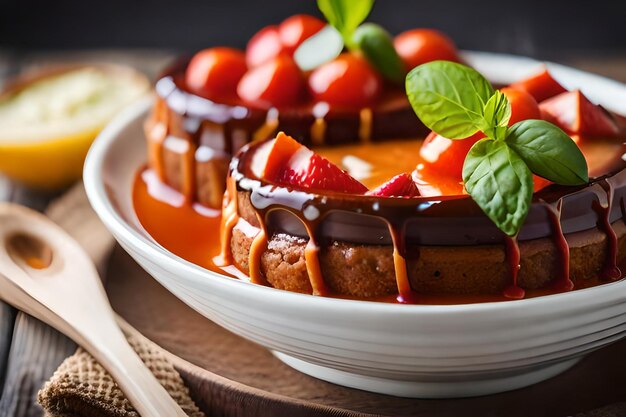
x=189, y=172
x=311, y=252
x=269, y=127
x=230, y=217
x=318, y=131
x=562, y=282
x=311, y=258
x=319, y=126
x=513, y=257
x=365, y=124
x=610, y=271
x=156, y=131
x=405, y=293
x=257, y=248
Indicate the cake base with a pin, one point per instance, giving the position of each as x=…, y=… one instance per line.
x=364, y=271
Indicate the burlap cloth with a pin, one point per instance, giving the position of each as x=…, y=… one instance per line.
x=81, y=387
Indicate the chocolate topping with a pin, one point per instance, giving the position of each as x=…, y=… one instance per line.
x=310, y=123
x=433, y=221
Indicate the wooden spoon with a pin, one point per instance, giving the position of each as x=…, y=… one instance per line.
x=46, y=274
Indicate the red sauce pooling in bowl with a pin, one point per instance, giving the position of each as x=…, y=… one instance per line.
x=191, y=233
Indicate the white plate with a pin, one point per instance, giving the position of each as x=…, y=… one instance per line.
x=404, y=350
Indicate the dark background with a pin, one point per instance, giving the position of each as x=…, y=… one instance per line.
x=543, y=29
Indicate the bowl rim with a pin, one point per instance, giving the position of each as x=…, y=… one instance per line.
x=122, y=230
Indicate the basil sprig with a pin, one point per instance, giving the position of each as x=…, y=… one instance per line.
x=376, y=45
x=449, y=98
x=345, y=15
x=345, y=29
x=456, y=102
x=548, y=151
x=500, y=183
x=496, y=117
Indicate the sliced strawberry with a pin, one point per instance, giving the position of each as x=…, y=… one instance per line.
x=309, y=170
x=401, y=185
x=285, y=161
x=541, y=86
x=548, y=117
x=271, y=158
x=573, y=112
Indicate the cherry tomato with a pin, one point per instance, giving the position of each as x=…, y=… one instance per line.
x=296, y=29
x=523, y=105
x=263, y=46
x=278, y=82
x=419, y=46
x=214, y=73
x=347, y=81
x=446, y=156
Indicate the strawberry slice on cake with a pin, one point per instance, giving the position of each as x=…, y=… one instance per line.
x=402, y=185
x=574, y=113
x=541, y=86
x=286, y=162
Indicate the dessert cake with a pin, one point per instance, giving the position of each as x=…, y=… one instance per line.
x=365, y=244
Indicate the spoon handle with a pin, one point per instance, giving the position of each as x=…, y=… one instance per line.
x=68, y=295
x=108, y=345
x=131, y=374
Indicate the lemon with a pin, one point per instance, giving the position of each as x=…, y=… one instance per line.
x=48, y=120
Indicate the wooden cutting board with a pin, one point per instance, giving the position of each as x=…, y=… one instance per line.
x=235, y=377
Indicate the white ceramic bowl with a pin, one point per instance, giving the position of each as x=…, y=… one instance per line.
x=403, y=350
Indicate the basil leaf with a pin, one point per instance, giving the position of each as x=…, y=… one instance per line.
x=497, y=115
x=320, y=48
x=377, y=46
x=500, y=183
x=548, y=151
x=448, y=97
x=345, y=15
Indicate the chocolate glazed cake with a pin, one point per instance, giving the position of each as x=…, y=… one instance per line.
x=191, y=139
x=365, y=246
